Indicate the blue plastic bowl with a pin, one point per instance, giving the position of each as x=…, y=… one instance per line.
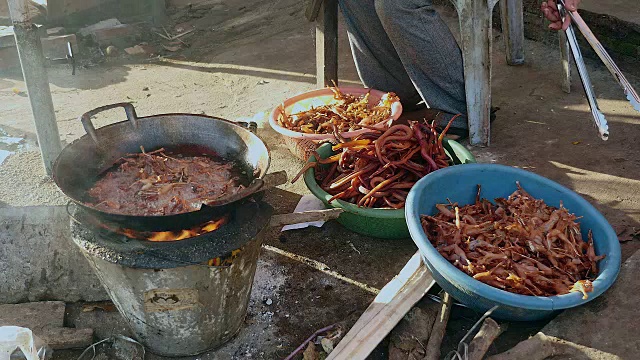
x=458, y=183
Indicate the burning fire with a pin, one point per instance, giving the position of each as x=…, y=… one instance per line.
x=174, y=235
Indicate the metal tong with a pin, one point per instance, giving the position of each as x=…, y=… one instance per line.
x=598, y=116
x=632, y=95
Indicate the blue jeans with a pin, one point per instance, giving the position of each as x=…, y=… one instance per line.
x=405, y=47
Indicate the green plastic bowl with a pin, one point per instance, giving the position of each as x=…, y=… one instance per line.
x=379, y=223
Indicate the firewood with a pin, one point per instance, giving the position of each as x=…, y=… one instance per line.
x=541, y=346
x=439, y=329
x=480, y=344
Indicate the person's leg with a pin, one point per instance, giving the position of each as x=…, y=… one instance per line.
x=377, y=62
x=429, y=53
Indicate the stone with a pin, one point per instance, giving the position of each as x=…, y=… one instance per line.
x=119, y=35
x=38, y=260
x=111, y=50
x=140, y=50
x=611, y=322
x=35, y=316
x=56, y=31
x=104, y=24
x=310, y=353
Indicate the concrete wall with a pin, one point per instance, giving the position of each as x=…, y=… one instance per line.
x=38, y=260
x=77, y=13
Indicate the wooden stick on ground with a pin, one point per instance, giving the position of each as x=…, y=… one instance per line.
x=439, y=329
x=480, y=344
x=386, y=310
x=305, y=216
x=541, y=346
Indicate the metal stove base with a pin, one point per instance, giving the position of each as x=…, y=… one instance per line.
x=182, y=311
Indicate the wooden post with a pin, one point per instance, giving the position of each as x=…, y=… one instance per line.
x=35, y=76
x=158, y=11
x=327, y=44
x=511, y=12
x=475, y=36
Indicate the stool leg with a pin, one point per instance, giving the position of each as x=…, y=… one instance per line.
x=565, y=60
x=327, y=44
x=475, y=26
x=511, y=13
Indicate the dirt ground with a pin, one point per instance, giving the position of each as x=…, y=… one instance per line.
x=244, y=59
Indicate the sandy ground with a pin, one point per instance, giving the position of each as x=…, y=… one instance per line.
x=250, y=55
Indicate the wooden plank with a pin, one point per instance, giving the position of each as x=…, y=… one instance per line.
x=386, y=310
x=327, y=44
x=305, y=216
x=35, y=316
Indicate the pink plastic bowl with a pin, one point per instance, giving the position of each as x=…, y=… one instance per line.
x=375, y=96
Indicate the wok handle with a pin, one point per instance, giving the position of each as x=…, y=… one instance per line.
x=91, y=130
x=251, y=125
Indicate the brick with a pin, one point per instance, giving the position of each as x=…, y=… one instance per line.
x=46, y=320
x=35, y=316
x=55, y=47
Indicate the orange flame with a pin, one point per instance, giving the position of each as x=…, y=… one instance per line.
x=173, y=235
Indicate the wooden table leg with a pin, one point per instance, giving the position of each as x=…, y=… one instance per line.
x=327, y=44
x=475, y=25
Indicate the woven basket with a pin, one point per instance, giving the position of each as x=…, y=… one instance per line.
x=301, y=148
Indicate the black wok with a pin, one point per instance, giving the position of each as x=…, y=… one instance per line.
x=81, y=163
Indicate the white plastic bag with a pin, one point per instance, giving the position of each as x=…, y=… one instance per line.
x=13, y=338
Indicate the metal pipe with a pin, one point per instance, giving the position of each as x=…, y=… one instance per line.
x=35, y=76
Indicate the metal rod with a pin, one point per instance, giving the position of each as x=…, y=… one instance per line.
x=598, y=116
x=35, y=76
